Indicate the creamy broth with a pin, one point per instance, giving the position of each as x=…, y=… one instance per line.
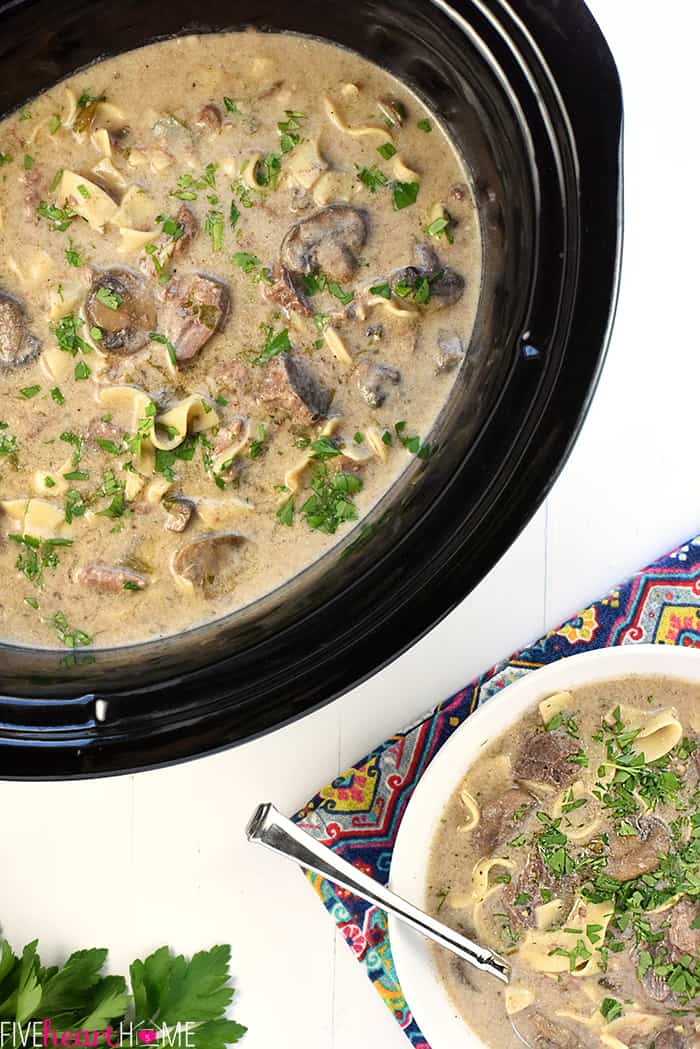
x=572, y=846
x=239, y=277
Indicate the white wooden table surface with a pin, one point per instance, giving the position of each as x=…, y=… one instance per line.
x=135, y=862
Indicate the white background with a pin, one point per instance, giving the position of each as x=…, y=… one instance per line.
x=135, y=862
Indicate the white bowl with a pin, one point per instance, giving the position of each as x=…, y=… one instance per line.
x=425, y=993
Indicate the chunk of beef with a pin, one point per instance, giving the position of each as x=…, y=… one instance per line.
x=179, y=512
x=171, y=245
x=681, y=937
x=631, y=855
x=103, y=430
x=187, y=222
x=110, y=579
x=210, y=118
x=373, y=379
x=450, y=351
x=290, y=385
x=527, y=885
x=672, y=1037
x=501, y=817
x=544, y=758
x=286, y=293
x=328, y=241
x=194, y=308
x=17, y=346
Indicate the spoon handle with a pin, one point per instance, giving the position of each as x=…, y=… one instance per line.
x=270, y=828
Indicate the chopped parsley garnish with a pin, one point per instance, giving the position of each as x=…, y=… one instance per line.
x=245, y=261
x=66, y=332
x=424, y=125
x=76, y=442
x=268, y=170
x=188, y=187
x=116, y=508
x=166, y=460
x=565, y=721
x=289, y=131
x=634, y=778
x=332, y=501
x=414, y=445
x=405, y=194
x=37, y=555
x=155, y=336
x=171, y=227
x=257, y=445
x=552, y=845
x=111, y=299
x=73, y=257
x=81, y=371
x=381, y=289
x=438, y=227
x=233, y=215
x=373, y=178
x=27, y=392
x=54, y=124
x=214, y=229
x=230, y=106
x=8, y=443
x=59, y=218
x=275, y=343
x=5, y=158
x=285, y=514
x=75, y=505
x=318, y=282
x=323, y=448
x=611, y=1009
x=70, y=636
x=28, y=162
x=388, y=150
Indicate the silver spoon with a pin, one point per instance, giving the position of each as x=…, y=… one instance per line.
x=270, y=828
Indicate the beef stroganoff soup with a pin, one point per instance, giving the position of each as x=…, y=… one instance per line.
x=239, y=277
x=572, y=846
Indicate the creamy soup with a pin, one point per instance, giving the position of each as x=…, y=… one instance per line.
x=573, y=847
x=239, y=277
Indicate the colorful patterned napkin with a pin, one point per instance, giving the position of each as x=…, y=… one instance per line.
x=359, y=813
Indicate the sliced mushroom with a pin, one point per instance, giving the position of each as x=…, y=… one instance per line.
x=450, y=351
x=372, y=382
x=393, y=111
x=194, y=308
x=120, y=304
x=328, y=241
x=110, y=579
x=446, y=285
x=206, y=562
x=179, y=511
x=291, y=386
x=17, y=346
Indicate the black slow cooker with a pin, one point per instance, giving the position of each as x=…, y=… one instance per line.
x=531, y=95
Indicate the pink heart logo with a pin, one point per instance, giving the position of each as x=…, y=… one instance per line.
x=148, y=1037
